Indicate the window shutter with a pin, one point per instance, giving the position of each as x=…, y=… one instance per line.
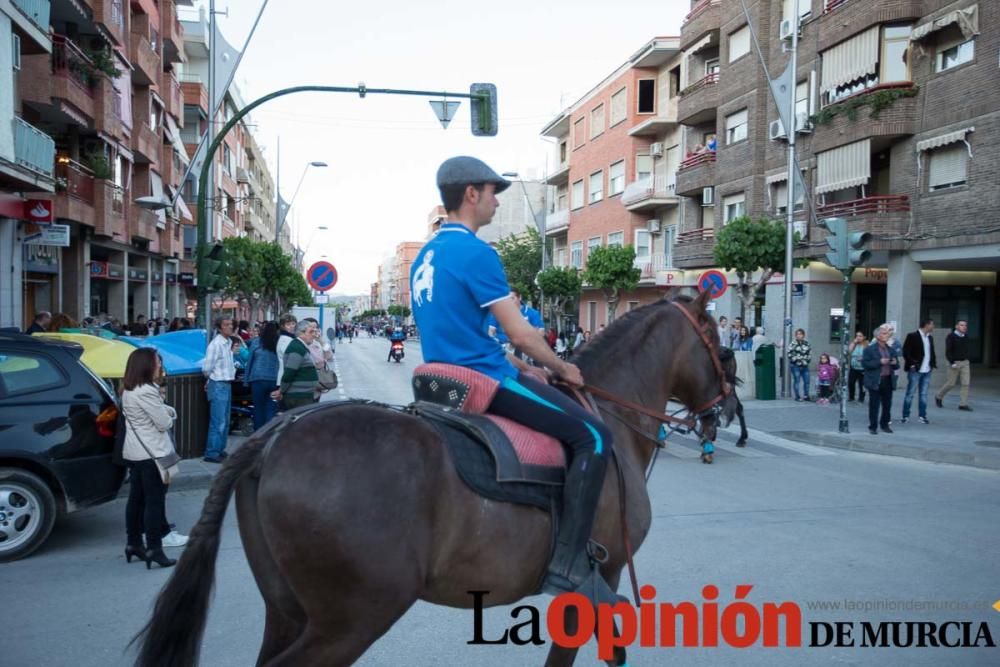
x=739, y=43
x=948, y=166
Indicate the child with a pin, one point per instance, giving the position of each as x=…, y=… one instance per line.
x=826, y=374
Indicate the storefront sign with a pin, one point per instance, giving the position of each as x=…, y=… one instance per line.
x=669, y=278
x=171, y=278
x=186, y=278
x=115, y=271
x=38, y=210
x=137, y=274
x=98, y=269
x=57, y=235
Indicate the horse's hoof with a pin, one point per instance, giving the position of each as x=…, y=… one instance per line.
x=741, y=443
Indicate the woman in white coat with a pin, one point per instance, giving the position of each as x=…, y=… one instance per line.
x=148, y=421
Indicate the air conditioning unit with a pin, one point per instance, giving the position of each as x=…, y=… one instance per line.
x=776, y=130
x=656, y=150
x=802, y=123
x=653, y=226
x=15, y=42
x=785, y=31
x=708, y=196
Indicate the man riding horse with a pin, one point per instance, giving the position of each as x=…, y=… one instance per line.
x=453, y=310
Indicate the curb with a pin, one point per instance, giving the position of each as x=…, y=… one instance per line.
x=191, y=481
x=985, y=460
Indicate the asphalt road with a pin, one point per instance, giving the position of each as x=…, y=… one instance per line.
x=796, y=522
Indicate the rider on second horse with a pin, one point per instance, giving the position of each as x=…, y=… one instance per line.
x=457, y=281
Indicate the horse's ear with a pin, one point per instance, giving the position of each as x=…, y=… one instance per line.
x=701, y=302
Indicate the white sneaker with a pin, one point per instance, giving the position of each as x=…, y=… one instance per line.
x=174, y=539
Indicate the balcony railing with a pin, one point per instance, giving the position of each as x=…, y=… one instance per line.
x=650, y=264
x=705, y=157
x=557, y=220
x=647, y=188
x=77, y=179
x=833, y=4
x=118, y=14
x=33, y=149
x=699, y=9
x=709, y=80
x=36, y=10
x=696, y=235
x=867, y=206
x=70, y=61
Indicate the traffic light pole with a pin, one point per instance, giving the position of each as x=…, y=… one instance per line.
x=482, y=96
x=845, y=339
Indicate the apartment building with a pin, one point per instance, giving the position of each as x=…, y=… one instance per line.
x=522, y=206
x=94, y=81
x=897, y=110
x=393, y=286
x=616, y=151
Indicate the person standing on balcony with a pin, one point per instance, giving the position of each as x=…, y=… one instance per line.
x=219, y=370
x=956, y=350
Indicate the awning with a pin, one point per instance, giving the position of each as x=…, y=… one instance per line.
x=700, y=44
x=156, y=183
x=851, y=60
x=943, y=140
x=174, y=135
x=843, y=167
x=777, y=178
x=966, y=19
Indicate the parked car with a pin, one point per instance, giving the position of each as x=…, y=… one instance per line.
x=58, y=421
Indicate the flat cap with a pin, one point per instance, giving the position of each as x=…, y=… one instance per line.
x=465, y=170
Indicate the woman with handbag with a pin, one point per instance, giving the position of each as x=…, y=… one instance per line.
x=299, y=379
x=149, y=452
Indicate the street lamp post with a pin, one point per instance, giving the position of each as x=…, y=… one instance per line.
x=539, y=223
x=283, y=213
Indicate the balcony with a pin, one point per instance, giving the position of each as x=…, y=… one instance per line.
x=142, y=224
x=901, y=119
x=171, y=241
x=560, y=176
x=881, y=214
x=693, y=248
x=704, y=17
x=109, y=210
x=74, y=192
x=145, y=61
x=146, y=143
x=557, y=223
x=699, y=101
x=33, y=149
x=830, y=5
x=32, y=21
x=655, y=126
x=173, y=99
x=649, y=265
x=696, y=172
x=110, y=15
x=194, y=92
x=109, y=110
x=73, y=77
x=172, y=32
x=649, y=194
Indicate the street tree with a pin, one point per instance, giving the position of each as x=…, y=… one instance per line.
x=612, y=269
x=560, y=284
x=245, y=278
x=745, y=245
x=397, y=310
x=521, y=256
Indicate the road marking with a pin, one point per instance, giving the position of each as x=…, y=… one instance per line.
x=784, y=443
x=747, y=452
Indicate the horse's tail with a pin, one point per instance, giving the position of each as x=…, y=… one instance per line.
x=172, y=637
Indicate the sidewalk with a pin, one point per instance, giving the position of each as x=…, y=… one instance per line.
x=196, y=474
x=953, y=436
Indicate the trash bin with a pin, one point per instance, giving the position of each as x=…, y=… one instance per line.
x=764, y=370
x=182, y=353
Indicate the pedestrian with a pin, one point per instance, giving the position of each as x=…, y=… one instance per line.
x=139, y=327
x=286, y=334
x=219, y=371
x=149, y=452
x=261, y=374
x=578, y=339
x=758, y=338
x=243, y=330
x=321, y=352
x=879, y=364
x=299, y=379
x=799, y=358
x=856, y=372
x=956, y=351
x=725, y=337
x=241, y=353
x=745, y=341
x=826, y=375
x=918, y=362
x=61, y=321
x=41, y=322
x=734, y=333
x=561, y=346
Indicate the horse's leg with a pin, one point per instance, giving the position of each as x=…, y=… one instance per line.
x=284, y=619
x=742, y=442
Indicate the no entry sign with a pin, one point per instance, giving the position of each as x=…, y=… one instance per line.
x=322, y=276
x=714, y=282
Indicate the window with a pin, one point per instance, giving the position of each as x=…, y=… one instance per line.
x=788, y=7
x=619, y=107
x=576, y=255
x=647, y=96
x=592, y=243
x=632, y=305
x=576, y=199
x=561, y=257
x=779, y=198
x=642, y=245
x=596, y=186
x=27, y=373
x=802, y=105
x=669, y=238
x=616, y=239
x=616, y=178
x=561, y=198
x=734, y=206
x=736, y=127
x=956, y=55
x=712, y=67
x=643, y=167
x=739, y=43
x=227, y=160
x=597, y=121
x=876, y=56
x=592, y=315
x=708, y=217
x=578, y=137
x=895, y=47
x=948, y=167
x=562, y=152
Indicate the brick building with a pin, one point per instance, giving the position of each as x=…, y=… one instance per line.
x=920, y=175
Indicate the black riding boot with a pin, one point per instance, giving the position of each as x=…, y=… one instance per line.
x=570, y=569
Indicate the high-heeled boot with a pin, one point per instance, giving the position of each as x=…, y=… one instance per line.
x=137, y=550
x=157, y=556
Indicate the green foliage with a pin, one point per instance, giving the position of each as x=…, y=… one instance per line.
x=102, y=60
x=877, y=100
x=612, y=269
x=521, y=256
x=560, y=284
x=398, y=311
x=372, y=313
x=263, y=275
x=99, y=164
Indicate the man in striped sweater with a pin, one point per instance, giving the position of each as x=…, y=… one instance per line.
x=299, y=379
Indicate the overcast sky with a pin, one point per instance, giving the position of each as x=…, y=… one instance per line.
x=383, y=151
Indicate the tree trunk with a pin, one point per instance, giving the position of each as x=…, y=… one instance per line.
x=612, y=306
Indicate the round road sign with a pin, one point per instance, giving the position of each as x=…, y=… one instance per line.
x=714, y=282
x=322, y=276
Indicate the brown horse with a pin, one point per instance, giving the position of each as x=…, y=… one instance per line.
x=355, y=511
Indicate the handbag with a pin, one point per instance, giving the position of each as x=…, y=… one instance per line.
x=167, y=464
x=326, y=378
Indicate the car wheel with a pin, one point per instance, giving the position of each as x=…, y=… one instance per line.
x=27, y=513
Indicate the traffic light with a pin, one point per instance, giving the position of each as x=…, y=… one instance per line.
x=211, y=267
x=484, y=109
x=846, y=248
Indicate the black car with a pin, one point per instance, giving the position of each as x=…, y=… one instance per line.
x=57, y=421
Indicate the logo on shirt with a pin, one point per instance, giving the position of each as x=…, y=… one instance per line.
x=423, y=280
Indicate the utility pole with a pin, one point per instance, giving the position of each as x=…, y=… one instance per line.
x=208, y=198
x=790, y=221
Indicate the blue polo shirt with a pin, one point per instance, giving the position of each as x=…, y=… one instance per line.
x=453, y=282
x=532, y=316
